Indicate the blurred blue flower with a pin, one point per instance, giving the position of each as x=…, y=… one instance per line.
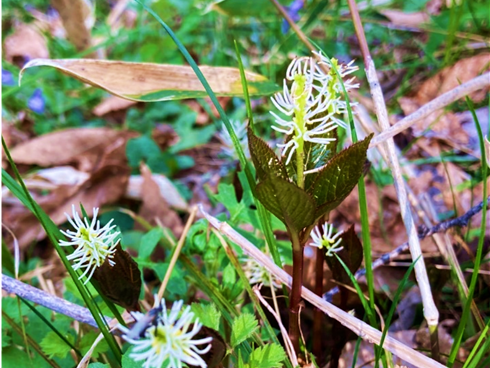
x=36, y=102
x=7, y=78
x=293, y=11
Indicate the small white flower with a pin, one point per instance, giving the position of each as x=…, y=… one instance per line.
x=256, y=274
x=168, y=340
x=311, y=102
x=94, y=244
x=331, y=243
x=241, y=133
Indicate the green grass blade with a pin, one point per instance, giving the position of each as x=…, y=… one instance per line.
x=396, y=298
x=54, y=235
x=470, y=362
x=8, y=262
x=474, y=277
x=264, y=216
x=245, y=88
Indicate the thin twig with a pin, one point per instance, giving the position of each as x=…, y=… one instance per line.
x=287, y=341
x=424, y=232
x=359, y=327
x=49, y=301
x=431, y=313
x=176, y=253
x=481, y=82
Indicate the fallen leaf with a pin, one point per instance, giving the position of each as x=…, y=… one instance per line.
x=106, y=185
x=452, y=76
x=404, y=19
x=26, y=42
x=155, y=209
x=157, y=82
x=112, y=103
x=166, y=189
x=77, y=17
x=67, y=146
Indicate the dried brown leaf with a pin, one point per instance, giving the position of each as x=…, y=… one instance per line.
x=68, y=146
x=403, y=19
x=77, y=17
x=155, y=208
x=112, y=103
x=26, y=42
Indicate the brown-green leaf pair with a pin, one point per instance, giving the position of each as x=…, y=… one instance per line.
x=324, y=190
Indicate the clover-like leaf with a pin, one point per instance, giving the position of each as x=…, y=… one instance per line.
x=121, y=283
x=337, y=179
x=351, y=255
x=265, y=160
x=289, y=203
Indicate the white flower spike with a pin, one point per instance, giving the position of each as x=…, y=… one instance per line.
x=168, y=339
x=311, y=102
x=256, y=274
x=240, y=129
x=94, y=244
x=331, y=243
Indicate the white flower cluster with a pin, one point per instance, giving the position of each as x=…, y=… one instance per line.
x=168, y=339
x=328, y=240
x=256, y=274
x=313, y=101
x=94, y=244
x=241, y=132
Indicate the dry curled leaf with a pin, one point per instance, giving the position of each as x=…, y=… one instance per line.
x=155, y=208
x=404, y=19
x=25, y=42
x=68, y=146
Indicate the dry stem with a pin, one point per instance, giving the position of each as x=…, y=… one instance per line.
x=359, y=327
x=431, y=313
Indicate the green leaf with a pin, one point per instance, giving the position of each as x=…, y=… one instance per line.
x=243, y=8
x=229, y=276
x=87, y=341
x=121, y=283
x=243, y=327
x=337, y=179
x=156, y=82
x=141, y=149
x=268, y=356
x=98, y=365
x=208, y=314
x=6, y=339
x=54, y=346
x=351, y=254
x=266, y=163
x=288, y=202
x=149, y=242
x=128, y=362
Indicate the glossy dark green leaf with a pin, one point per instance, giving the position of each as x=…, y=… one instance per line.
x=214, y=356
x=351, y=254
x=337, y=179
x=121, y=283
x=266, y=163
x=288, y=202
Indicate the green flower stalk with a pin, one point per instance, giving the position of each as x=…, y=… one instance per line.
x=312, y=105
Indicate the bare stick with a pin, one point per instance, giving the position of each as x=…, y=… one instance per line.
x=431, y=313
x=424, y=232
x=359, y=327
x=49, y=301
x=481, y=82
x=176, y=253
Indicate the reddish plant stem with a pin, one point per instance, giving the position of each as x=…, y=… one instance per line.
x=295, y=296
x=318, y=315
